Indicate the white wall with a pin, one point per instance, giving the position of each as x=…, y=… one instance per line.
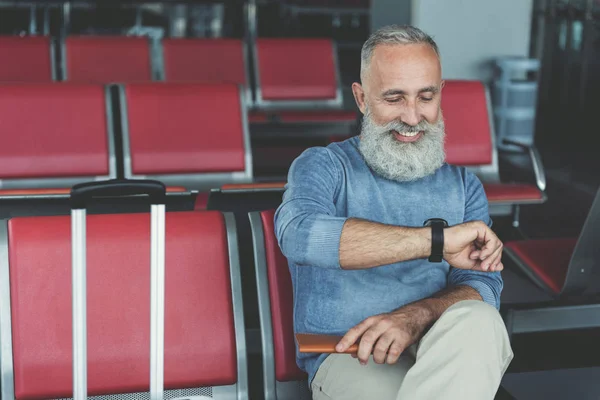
x=471, y=33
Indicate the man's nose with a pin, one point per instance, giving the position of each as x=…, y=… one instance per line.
x=410, y=116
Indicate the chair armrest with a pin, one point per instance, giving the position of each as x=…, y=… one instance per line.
x=536, y=161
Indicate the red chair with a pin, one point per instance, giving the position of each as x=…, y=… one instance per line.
x=561, y=266
x=205, y=350
x=191, y=135
x=54, y=135
x=297, y=83
x=206, y=61
x=282, y=377
x=99, y=59
x=470, y=143
x=298, y=95
x=567, y=270
x=27, y=59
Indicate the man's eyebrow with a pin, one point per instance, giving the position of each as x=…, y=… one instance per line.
x=395, y=92
x=432, y=89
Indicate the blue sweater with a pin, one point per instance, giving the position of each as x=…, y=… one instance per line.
x=326, y=186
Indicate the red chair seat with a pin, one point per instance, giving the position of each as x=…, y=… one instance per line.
x=512, y=193
x=185, y=128
x=107, y=59
x=198, y=304
x=25, y=59
x=296, y=69
x=468, y=139
x=281, y=295
x=547, y=258
x=53, y=131
x=204, y=60
x=291, y=117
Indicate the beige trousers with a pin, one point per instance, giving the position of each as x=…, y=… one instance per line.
x=463, y=356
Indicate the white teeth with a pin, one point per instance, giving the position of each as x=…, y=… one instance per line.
x=408, y=134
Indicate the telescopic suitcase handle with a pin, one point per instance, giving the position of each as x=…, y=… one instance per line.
x=83, y=193
x=81, y=196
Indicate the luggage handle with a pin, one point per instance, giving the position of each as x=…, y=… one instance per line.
x=83, y=193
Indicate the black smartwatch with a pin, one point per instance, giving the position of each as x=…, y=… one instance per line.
x=437, y=238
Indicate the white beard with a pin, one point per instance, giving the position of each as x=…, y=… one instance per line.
x=402, y=161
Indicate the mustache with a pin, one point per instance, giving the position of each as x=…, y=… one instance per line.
x=400, y=126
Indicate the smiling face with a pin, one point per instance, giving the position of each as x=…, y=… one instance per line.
x=402, y=134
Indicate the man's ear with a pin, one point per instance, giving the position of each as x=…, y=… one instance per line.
x=359, y=96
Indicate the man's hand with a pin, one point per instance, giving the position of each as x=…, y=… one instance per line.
x=388, y=335
x=473, y=245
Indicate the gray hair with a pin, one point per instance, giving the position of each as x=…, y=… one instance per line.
x=394, y=34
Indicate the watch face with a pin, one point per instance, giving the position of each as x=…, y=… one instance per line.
x=430, y=221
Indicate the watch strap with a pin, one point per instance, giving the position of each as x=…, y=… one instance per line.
x=437, y=238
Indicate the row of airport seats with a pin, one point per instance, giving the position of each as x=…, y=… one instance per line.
x=193, y=136
x=206, y=343
x=294, y=80
x=56, y=135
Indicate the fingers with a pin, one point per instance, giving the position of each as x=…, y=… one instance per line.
x=381, y=348
x=353, y=334
x=394, y=352
x=388, y=349
x=369, y=338
x=491, y=263
x=380, y=335
x=492, y=244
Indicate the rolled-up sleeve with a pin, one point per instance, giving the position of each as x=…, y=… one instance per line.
x=488, y=284
x=306, y=225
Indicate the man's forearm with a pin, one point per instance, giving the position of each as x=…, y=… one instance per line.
x=425, y=312
x=366, y=244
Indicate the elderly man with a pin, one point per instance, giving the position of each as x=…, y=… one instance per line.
x=390, y=247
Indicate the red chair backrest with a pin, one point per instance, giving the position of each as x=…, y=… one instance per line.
x=107, y=59
x=282, y=305
x=296, y=69
x=199, y=329
x=25, y=59
x=468, y=135
x=204, y=61
x=53, y=130
x=185, y=128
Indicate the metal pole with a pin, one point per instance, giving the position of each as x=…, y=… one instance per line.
x=78, y=254
x=157, y=300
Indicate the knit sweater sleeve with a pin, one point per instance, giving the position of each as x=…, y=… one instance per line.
x=306, y=225
x=488, y=284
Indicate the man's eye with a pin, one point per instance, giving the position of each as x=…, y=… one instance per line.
x=426, y=99
x=393, y=100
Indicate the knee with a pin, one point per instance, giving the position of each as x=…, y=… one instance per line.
x=474, y=312
x=478, y=322
x=475, y=319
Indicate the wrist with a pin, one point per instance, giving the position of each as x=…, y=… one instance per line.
x=424, y=246
x=421, y=315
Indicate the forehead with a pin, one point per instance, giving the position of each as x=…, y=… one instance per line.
x=407, y=67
